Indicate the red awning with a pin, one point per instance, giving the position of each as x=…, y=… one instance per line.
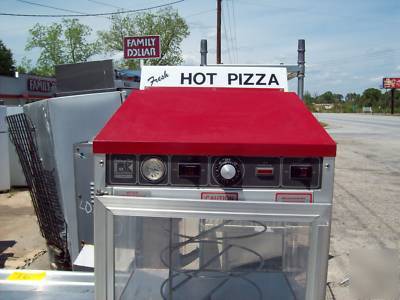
x=206, y=121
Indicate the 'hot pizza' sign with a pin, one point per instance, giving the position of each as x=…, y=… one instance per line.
x=211, y=76
x=142, y=47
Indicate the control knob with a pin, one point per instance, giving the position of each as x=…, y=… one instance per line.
x=227, y=171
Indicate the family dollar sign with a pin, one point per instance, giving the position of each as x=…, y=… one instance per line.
x=142, y=47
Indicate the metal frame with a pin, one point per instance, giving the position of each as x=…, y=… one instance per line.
x=55, y=285
x=106, y=207
x=292, y=70
x=170, y=202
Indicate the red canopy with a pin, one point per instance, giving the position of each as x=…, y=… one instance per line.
x=207, y=121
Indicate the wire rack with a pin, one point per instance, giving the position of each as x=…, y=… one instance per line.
x=41, y=184
x=226, y=242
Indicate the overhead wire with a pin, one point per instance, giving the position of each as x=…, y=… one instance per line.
x=226, y=37
x=84, y=14
x=229, y=37
x=228, y=8
x=106, y=4
x=235, y=31
x=49, y=6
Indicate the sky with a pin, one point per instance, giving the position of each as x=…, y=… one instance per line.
x=350, y=44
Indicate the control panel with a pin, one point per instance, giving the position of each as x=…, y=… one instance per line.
x=203, y=171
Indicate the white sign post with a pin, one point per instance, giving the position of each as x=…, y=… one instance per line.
x=203, y=76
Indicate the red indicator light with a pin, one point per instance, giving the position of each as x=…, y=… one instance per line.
x=301, y=172
x=264, y=171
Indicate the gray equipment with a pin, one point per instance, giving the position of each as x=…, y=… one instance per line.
x=54, y=126
x=84, y=190
x=4, y=156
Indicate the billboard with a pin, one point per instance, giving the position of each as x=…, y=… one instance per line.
x=142, y=47
x=391, y=83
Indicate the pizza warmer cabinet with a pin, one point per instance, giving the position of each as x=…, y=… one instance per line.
x=212, y=194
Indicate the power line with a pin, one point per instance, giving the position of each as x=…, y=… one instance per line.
x=235, y=31
x=229, y=9
x=106, y=4
x=86, y=14
x=226, y=37
x=49, y=6
x=200, y=12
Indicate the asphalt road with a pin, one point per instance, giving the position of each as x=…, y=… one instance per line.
x=366, y=213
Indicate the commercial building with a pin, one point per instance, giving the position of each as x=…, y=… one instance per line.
x=25, y=88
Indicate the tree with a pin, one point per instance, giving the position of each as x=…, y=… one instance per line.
x=326, y=97
x=371, y=97
x=7, y=66
x=167, y=23
x=60, y=43
x=352, y=97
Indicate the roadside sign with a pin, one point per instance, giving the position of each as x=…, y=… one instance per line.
x=142, y=47
x=196, y=76
x=391, y=83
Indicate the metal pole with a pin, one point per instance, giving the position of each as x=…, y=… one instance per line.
x=301, y=50
x=219, y=31
x=392, y=91
x=203, y=52
x=141, y=63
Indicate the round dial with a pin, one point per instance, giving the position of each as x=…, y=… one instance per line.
x=227, y=171
x=153, y=169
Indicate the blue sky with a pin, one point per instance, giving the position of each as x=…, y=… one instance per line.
x=351, y=44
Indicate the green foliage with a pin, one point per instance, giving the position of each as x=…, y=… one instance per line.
x=328, y=97
x=167, y=23
x=352, y=102
x=60, y=43
x=371, y=97
x=7, y=66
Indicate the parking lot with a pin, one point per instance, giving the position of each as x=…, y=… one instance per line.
x=366, y=196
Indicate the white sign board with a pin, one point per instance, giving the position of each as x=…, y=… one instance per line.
x=233, y=77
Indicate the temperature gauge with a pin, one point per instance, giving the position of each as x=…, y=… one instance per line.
x=153, y=169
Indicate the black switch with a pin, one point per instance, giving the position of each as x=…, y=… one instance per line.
x=302, y=172
x=189, y=170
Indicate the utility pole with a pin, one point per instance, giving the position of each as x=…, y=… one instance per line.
x=392, y=91
x=219, y=2
x=301, y=49
x=203, y=52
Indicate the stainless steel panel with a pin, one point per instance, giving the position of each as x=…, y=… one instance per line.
x=56, y=285
x=4, y=163
x=3, y=122
x=4, y=152
x=84, y=190
x=60, y=123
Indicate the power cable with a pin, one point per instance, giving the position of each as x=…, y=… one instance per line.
x=85, y=14
x=235, y=30
x=226, y=37
x=106, y=4
x=49, y=6
x=230, y=31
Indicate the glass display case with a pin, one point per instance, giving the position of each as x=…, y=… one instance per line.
x=182, y=249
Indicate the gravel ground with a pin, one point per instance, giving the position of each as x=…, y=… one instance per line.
x=367, y=188
x=21, y=244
